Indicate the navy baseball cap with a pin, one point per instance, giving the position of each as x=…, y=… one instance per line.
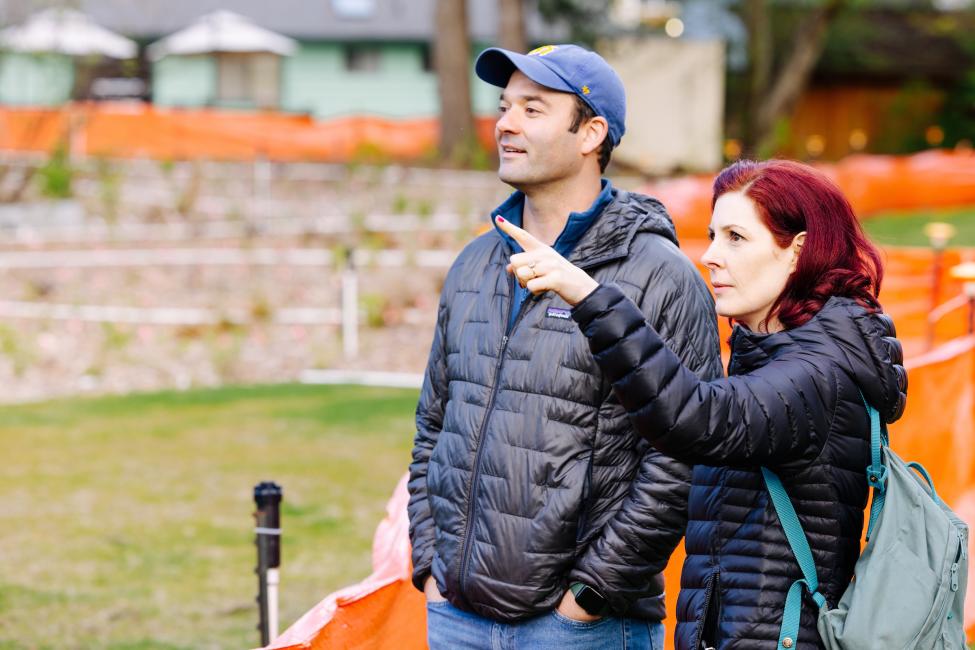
x=566, y=68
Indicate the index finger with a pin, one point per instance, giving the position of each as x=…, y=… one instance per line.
x=523, y=237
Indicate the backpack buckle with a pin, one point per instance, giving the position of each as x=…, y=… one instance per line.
x=877, y=477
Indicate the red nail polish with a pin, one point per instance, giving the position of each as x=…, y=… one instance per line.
x=500, y=219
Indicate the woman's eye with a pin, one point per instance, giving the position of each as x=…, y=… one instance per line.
x=710, y=235
x=733, y=236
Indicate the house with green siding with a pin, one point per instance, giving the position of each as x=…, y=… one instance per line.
x=41, y=79
x=354, y=57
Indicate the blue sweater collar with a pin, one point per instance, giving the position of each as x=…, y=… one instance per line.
x=578, y=223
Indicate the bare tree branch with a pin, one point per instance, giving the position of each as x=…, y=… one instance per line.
x=794, y=73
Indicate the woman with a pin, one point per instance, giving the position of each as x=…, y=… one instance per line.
x=792, y=269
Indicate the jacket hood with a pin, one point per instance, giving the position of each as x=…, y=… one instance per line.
x=611, y=233
x=626, y=216
x=863, y=343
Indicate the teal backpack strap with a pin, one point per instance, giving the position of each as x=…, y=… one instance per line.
x=876, y=478
x=789, y=632
x=876, y=470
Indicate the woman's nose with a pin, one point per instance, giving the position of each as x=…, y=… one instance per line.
x=710, y=257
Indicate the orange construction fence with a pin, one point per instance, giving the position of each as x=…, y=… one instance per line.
x=145, y=131
x=931, y=179
x=934, y=178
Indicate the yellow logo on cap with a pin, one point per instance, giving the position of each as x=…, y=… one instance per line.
x=543, y=50
x=585, y=90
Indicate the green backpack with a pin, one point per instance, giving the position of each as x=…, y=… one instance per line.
x=909, y=584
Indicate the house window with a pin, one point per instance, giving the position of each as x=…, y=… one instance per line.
x=248, y=79
x=363, y=58
x=354, y=8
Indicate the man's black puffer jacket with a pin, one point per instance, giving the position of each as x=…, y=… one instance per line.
x=524, y=461
x=791, y=403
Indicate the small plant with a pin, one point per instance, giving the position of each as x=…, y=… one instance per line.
x=38, y=289
x=375, y=306
x=341, y=255
x=261, y=310
x=424, y=209
x=400, y=204
x=19, y=352
x=190, y=332
x=370, y=153
x=56, y=175
x=186, y=199
x=227, y=325
x=116, y=338
x=108, y=188
x=373, y=241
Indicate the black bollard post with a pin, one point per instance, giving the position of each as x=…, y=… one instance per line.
x=267, y=496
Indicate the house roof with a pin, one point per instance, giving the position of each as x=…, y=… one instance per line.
x=404, y=20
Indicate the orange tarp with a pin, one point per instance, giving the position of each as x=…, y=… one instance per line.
x=382, y=611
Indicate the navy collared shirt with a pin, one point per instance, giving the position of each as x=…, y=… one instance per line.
x=578, y=223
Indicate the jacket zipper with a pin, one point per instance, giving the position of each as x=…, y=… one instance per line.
x=468, y=538
x=712, y=585
x=471, y=498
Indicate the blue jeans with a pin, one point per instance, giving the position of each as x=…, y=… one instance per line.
x=450, y=628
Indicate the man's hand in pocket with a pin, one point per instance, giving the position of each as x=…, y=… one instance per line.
x=431, y=591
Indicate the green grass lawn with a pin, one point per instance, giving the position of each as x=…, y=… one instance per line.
x=126, y=521
x=907, y=228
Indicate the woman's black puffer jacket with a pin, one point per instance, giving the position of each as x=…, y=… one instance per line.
x=792, y=403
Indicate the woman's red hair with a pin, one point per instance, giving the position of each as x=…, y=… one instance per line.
x=837, y=259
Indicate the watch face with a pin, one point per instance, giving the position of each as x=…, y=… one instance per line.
x=590, y=600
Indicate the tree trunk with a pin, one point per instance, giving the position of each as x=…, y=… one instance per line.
x=452, y=51
x=793, y=75
x=756, y=15
x=511, y=25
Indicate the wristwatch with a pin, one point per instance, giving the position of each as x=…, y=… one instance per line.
x=589, y=599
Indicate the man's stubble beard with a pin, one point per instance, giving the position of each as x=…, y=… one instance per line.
x=530, y=177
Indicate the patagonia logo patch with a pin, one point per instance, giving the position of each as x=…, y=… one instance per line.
x=555, y=312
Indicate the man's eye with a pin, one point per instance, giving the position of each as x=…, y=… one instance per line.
x=531, y=111
x=502, y=109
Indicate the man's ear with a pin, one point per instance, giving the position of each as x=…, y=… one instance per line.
x=594, y=133
x=797, y=243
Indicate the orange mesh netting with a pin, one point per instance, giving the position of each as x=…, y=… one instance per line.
x=925, y=180
x=141, y=130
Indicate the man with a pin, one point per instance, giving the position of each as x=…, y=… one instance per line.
x=538, y=518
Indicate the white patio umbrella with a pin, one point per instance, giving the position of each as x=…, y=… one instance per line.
x=65, y=31
x=222, y=31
